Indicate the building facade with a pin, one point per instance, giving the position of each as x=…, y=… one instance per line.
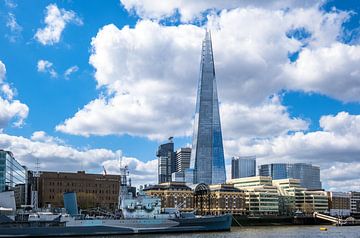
x=173, y=194
x=308, y=174
x=183, y=156
x=225, y=198
x=13, y=177
x=207, y=155
x=355, y=203
x=339, y=203
x=293, y=198
x=243, y=166
x=166, y=161
x=92, y=190
x=261, y=197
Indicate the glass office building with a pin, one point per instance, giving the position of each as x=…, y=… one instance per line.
x=243, y=166
x=207, y=154
x=12, y=176
x=308, y=174
x=166, y=161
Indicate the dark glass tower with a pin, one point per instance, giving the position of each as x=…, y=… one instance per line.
x=207, y=155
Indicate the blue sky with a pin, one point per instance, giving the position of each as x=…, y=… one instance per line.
x=288, y=79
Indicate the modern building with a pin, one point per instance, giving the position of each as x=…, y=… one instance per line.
x=92, y=190
x=293, y=198
x=308, y=174
x=173, y=194
x=13, y=177
x=207, y=155
x=339, y=204
x=178, y=176
x=183, y=156
x=166, y=161
x=243, y=166
x=261, y=197
x=355, y=203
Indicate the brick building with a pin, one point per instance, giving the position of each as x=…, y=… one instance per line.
x=93, y=190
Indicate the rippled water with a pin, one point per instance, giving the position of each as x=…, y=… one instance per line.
x=269, y=231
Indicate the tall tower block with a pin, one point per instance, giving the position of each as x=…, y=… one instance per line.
x=207, y=155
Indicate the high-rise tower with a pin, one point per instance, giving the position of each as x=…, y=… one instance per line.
x=207, y=155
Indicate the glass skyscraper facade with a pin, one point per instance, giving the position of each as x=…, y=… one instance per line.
x=166, y=161
x=308, y=174
x=13, y=177
x=243, y=166
x=207, y=154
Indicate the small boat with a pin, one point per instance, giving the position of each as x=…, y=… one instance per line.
x=323, y=229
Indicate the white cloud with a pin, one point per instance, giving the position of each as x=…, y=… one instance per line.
x=266, y=120
x=15, y=28
x=190, y=10
x=58, y=157
x=332, y=70
x=10, y=110
x=70, y=71
x=44, y=66
x=55, y=23
x=334, y=148
x=150, y=82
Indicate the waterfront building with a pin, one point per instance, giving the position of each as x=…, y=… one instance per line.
x=92, y=190
x=225, y=198
x=166, y=161
x=207, y=163
x=261, y=197
x=355, y=203
x=173, y=195
x=308, y=174
x=183, y=156
x=243, y=166
x=339, y=203
x=13, y=177
x=293, y=197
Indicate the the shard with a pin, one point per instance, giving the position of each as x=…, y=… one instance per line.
x=207, y=155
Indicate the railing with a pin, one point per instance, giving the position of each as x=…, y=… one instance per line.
x=337, y=221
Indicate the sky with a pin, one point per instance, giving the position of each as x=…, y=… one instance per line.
x=86, y=84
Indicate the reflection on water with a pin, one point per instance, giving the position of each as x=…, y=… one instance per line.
x=266, y=231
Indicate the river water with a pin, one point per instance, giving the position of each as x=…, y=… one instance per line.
x=268, y=231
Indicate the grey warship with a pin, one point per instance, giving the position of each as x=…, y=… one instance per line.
x=139, y=215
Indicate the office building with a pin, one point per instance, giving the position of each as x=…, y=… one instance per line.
x=183, y=156
x=339, y=204
x=308, y=174
x=13, y=177
x=92, y=190
x=178, y=176
x=207, y=154
x=355, y=203
x=166, y=161
x=261, y=197
x=293, y=198
x=243, y=166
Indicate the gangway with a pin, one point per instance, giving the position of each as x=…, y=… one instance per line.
x=337, y=221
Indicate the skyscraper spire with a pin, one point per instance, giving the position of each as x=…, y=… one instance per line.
x=207, y=155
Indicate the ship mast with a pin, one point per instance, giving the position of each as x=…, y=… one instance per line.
x=124, y=184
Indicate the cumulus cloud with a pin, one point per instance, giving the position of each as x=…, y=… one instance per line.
x=10, y=110
x=45, y=66
x=56, y=20
x=190, y=10
x=54, y=156
x=332, y=70
x=14, y=27
x=70, y=71
x=141, y=77
x=334, y=148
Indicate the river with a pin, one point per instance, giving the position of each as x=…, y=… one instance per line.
x=268, y=231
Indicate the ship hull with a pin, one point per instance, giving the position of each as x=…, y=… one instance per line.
x=124, y=227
